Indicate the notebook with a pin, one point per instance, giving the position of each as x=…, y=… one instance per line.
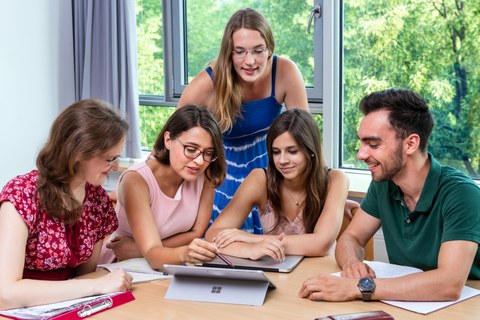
x=220, y=285
x=71, y=309
x=265, y=263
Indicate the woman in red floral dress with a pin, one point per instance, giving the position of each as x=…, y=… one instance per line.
x=53, y=219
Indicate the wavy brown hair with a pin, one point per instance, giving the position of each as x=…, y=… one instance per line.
x=301, y=126
x=184, y=119
x=85, y=129
x=227, y=104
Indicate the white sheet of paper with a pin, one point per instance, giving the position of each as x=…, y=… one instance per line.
x=138, y=268
x=388, y=270
x=431, y=306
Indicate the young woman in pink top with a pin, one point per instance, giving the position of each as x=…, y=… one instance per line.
x=164, y=204
x=300, y=201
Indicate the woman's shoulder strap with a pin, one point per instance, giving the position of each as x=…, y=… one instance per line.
x=274, y=73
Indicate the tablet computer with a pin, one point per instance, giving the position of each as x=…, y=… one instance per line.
x=221, y=285
x=265, y=263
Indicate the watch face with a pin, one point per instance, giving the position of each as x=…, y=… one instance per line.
x=366, y=284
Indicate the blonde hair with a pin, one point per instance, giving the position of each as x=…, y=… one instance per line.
x=227, y=105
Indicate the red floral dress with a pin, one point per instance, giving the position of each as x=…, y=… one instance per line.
x=53, y=248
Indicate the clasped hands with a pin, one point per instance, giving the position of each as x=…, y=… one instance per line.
x=255, y=246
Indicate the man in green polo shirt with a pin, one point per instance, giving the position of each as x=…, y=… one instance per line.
x=429, y=213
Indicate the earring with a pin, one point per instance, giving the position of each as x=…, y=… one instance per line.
x=312, y=155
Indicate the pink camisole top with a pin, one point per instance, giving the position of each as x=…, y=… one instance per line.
x=267, y=218
x=172, y=215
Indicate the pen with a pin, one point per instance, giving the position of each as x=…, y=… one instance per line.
x=224, y=259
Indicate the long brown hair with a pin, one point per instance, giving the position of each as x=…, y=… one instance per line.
x=83, y=130
x=185, y=118
x=301, y=126
x=228, y=92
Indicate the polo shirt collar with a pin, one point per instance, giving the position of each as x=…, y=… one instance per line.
x=429, y=190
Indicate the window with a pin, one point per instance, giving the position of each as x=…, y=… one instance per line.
x=177, y=39
x=203, y=23
x=429, y=46
x=154, y=112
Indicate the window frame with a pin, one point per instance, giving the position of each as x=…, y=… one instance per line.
x=175, y=46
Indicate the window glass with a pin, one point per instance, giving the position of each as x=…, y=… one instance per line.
x=430, y=47
x=206, y=21
x=150, y=47
x=152, y=120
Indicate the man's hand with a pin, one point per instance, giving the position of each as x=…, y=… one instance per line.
x=357, y=269
x=329, y=288
x=350, y=205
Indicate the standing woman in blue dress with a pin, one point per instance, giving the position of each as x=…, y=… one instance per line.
x=245, y=88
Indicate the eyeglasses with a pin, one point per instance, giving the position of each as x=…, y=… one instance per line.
x=241, y=53
x=193, y=152
x=112, y=161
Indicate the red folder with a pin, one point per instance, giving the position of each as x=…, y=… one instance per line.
x=86, y=309
x=369, y=315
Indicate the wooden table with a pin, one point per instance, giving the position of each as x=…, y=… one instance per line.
x=280, y=303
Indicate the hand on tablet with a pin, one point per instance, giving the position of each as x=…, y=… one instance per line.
x=199, y=251
x=227, y=236
x=271, y=246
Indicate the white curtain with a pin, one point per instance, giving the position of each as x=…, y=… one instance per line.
x=105, y=51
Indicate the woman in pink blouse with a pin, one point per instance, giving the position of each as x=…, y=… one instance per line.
x=300, y=201
x=53, y=220
x=164, y=203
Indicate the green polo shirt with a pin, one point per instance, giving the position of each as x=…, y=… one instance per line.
x=448, y=209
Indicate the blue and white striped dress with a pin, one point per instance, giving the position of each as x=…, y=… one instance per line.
x=245, y=149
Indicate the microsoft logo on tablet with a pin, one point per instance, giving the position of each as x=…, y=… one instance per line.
x=216, y=289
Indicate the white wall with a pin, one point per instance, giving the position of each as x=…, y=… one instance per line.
x=36, y=77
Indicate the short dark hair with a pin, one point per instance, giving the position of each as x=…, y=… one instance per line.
x=185, y=118
x=408, y=112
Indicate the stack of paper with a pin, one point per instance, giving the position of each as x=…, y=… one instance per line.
x=388, y=270
x=138, y=268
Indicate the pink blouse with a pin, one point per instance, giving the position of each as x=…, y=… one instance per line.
x=268, y=220
x=53, y=248
x=172, y=215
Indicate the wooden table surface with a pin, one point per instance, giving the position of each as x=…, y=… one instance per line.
x=280, y=303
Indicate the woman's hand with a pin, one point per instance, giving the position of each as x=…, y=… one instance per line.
x=199, y=251
x=124, y=248
x=271, y=246
x=118, y=280
x=228, y=236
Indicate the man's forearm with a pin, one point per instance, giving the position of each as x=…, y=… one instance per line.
x=348, y=249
